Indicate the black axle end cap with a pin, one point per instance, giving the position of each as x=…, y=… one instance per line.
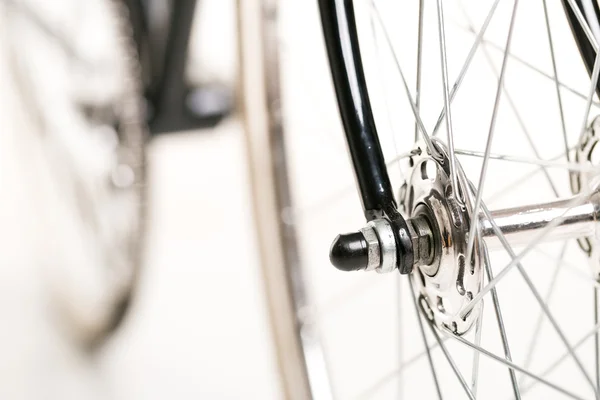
x=349, y=252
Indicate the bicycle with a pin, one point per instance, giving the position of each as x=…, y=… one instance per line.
x=432, y=225
x=429, y=220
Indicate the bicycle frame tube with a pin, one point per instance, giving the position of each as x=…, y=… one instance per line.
x=592, y=17
x=341, y=40
x=167, y=90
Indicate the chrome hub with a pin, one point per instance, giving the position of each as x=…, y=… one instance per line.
x=446, y=282
x=436, y=219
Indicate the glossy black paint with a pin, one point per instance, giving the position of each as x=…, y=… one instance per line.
x=349, y=252
x=588, y=54
x=341, y=40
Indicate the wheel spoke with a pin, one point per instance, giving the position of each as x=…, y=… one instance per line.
x=563, y=357
x=419, y=61
x=368, y=393
x=449, y=130
x=314, y=209
x=513, y=185
x=572, y=269
x=449, y=358
x=475, y=371
x=511, y=365
x=383, y=89
x=583, y=23
x=489, y=44
x=326, y=308
x=466, y=64
x=550, y=162
x=517, y=259
x=424, y=337
x=400, y=157
x=500, y=321
x=588, y=106
x=496, y=302
x=532, y=288
x=399, y=302
x=515, y=111
x=555, y=72
x=529, y=160
x=488, y=145
x=540, y=319
x=413, y=107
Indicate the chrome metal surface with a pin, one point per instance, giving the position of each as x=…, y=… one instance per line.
x=447, y=282
x=374, y=259
x=443, y=276
x=520, y=224
x=382, y=247
x=423, y=245
x=387, y=245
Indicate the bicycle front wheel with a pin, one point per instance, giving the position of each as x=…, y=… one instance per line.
x=484, y=112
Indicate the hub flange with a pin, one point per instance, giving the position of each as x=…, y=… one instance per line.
x=447, y=282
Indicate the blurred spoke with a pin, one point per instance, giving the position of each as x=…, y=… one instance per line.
x=383, y=89
x=571, y=268
x=513, y=185
x=51, y=31
x=540, y=319
x=511, y=365
x=563, y=357
x=516, y=261
x=368, y=393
